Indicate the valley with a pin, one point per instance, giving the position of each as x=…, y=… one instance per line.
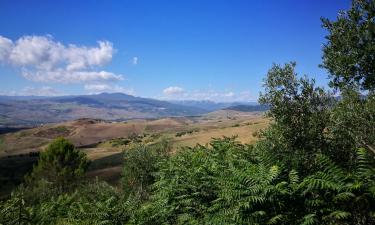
x=104, y=141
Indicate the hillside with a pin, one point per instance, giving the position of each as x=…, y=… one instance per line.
x=104, y=141
x=90, y=132
x=29, y=111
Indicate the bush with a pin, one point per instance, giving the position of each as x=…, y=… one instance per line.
x=91, y=203
x=140, y=164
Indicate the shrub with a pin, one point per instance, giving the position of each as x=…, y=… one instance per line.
x=140, y=164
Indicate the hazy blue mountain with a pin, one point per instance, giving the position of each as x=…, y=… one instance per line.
x=249, y=108
x=31, y=110
x=35, y=110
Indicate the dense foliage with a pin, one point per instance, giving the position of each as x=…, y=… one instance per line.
x=300, y=112
x=350, y=48
x=230, y=184
x=314, y=164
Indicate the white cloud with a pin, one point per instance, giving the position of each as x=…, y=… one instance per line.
x=100, y=88
x=34, y=91
x=6, y=46
x=64, y=76
x=228, y=94
x=135, y=60
x=173, y=91
x=43, y=59
x=178, y=93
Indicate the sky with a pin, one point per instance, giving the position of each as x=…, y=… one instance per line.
x=217, y=50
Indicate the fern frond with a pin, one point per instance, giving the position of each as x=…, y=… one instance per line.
x=339, y=215
x=276, y=219
x=309, y=219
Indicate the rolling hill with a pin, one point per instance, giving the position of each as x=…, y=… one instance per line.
x=31, y=111
x=18, y=111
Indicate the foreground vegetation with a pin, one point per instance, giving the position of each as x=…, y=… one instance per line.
x=315, y=164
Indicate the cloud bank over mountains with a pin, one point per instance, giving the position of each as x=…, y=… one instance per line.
x=42, y=59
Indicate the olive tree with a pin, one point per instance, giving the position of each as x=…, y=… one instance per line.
x=349, y=54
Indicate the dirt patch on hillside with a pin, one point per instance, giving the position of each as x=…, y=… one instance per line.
x=165, y=124
x=53, y=132
x=95, y=133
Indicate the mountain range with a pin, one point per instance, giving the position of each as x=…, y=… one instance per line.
x=36, y=110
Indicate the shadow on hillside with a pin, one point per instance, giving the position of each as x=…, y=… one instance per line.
x=13, y=170
x=108, y=168
x=5, y=130
x=108, y=161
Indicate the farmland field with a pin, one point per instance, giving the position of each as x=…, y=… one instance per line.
x=105, y=141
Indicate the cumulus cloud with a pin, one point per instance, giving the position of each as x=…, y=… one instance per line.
x=178, y=93
x=173, y=91
x=135, y=60
x=100, y=88
x=6, y=46
x=63, y=76
x=43, y=59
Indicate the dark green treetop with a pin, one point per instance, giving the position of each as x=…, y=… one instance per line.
x=60, y=164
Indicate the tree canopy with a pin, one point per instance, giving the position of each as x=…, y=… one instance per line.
x=349, y=54
x=60, y=165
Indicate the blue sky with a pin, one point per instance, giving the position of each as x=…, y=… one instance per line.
x=208, y=49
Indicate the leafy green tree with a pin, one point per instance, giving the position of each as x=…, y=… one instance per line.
x=349, y=54
x=60, y=165
x=300, y=114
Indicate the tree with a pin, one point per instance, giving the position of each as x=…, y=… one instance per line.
x=60, y=165
x=349, y=54
x=300, y=114
x=349, y=57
